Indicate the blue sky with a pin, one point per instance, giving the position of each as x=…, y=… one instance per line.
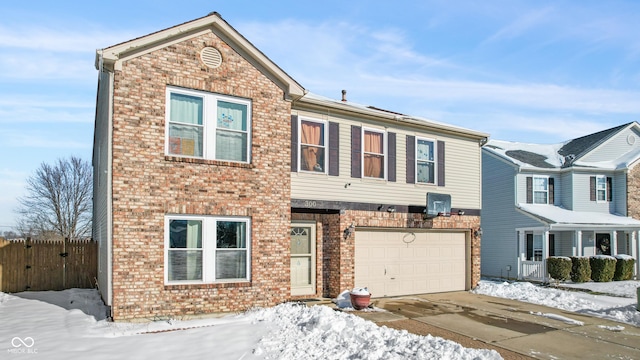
x=530, y=71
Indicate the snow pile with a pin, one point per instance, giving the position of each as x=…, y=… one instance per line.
x=321, y=333
x=558, y=317
x=360, y=291
x=71, y=324
x=621, y=309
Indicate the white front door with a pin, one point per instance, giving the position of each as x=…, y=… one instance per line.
x=303, y=258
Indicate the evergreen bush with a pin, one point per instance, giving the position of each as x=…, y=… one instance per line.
x=603, y=267
x=559, y=267
x=580, y=269
x=624, y=267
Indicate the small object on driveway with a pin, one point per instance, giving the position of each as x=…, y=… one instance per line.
x=360, y=298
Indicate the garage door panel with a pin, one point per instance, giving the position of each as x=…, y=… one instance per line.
x=407, y=263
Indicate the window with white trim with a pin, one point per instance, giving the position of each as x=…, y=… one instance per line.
x=313, y=144
x=540, y=190
x=373, y=154
x=425, y=161
x=207, y=125
x=601, y=188
x=206, y=249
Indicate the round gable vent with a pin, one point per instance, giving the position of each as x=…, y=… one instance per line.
x=211, y=57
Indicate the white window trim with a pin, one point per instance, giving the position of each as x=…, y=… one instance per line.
x=385, y=152
x=208, y=249
x=325, y=126
x=435, y=160
x=533, y=188
x=603, y=177
x=208, y=122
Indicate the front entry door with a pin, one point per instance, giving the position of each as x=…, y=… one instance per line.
x=303, y=259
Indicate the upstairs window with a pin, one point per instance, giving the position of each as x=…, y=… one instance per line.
x=425, y=161
x=312, y=146
x=601, y=188
x=208, y=126
x=373, y=154
x=540, y=190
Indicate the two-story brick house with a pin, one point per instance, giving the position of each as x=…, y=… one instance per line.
x=221, y=184
x=576, y=198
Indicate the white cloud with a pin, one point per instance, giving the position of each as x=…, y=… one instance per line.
x=52, y=39
x=22, y=139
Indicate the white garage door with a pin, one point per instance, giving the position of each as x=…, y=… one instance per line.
x=393, y=263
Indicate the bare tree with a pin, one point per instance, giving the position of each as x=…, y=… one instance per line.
x=59, y=199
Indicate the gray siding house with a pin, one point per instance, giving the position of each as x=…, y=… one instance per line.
x=567, y=199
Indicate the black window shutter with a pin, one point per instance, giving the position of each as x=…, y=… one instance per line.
x=334, y=149
x=529, y=190
x=551, y=191
x=529, y=246
x=609, y=189
x=592, y=188
x=391, y=164
x=440, y=163
x=552, y=245
x=356, y=152
x=294, y=143
x=411, y=159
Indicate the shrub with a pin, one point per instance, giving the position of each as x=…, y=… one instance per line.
x=602, y=268
x=624, y=267
x=580, y=269
x=559, y=267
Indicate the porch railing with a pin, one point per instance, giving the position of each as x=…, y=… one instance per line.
x=534, y=270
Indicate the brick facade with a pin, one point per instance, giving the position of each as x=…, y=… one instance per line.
x=147, y=185
x=337, y=271
x=633, y=192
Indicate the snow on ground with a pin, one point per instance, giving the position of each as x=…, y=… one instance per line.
x=620, y=305
x=71, y=324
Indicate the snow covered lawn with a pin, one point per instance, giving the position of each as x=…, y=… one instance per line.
x=70, y=324
x=618, y=305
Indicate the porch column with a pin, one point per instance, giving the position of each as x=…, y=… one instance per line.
x=578, y=243
x=614, y=243
x=545, y=254
x=635, y=250
x=522, y=253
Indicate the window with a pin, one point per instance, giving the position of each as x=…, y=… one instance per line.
x=206, y=249
x=373, y=154
x=540, y=190
x=601, y=188
x=312, y=146
x=425, y=161
x=534, y=247
x=206, y=125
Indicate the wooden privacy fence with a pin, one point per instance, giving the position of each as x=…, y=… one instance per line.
x=47, y=265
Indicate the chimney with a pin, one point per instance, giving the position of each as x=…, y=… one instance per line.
x=344, y=95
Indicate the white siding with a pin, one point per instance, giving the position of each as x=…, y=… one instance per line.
x=462, y=172
x=615, y=147
x=499, y=217
x=581, y=195
x=566, y=195
x=102, y=185
x=620, y=193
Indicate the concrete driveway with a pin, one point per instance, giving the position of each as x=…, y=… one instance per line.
x=515, y=329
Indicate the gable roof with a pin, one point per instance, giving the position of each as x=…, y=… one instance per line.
x=311, y=100
x=562, y=155
x=111, y=58
x=577, y=148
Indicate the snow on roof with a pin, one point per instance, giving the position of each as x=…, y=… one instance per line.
x=552, y=214
x=528, y=155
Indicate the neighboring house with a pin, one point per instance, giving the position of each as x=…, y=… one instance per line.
x=221, y=184
x=576, y=198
